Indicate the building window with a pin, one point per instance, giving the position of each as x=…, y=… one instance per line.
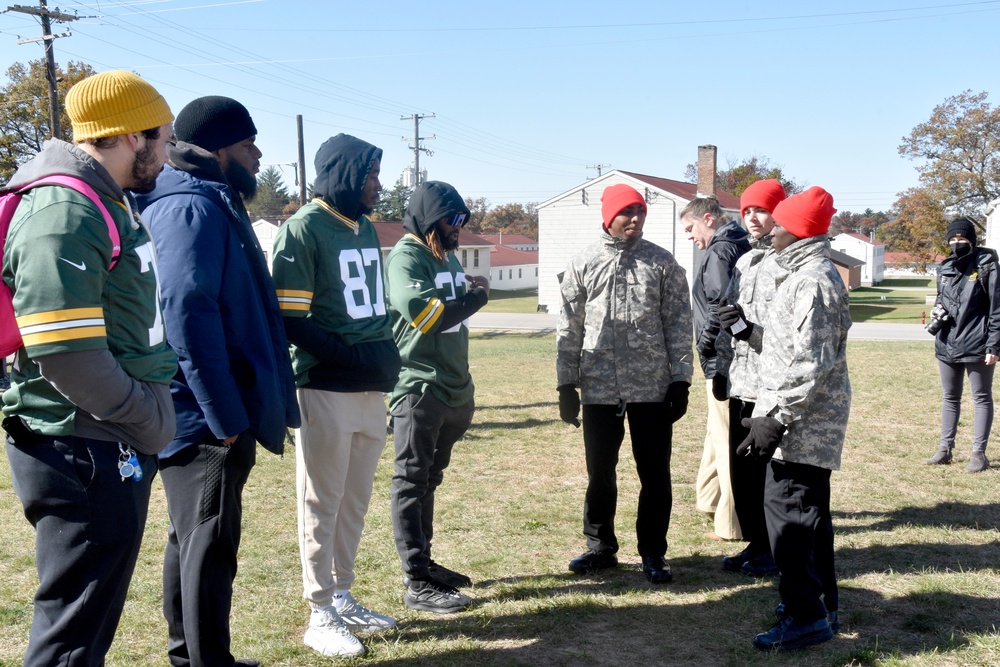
x=536, y=271
x=519, y=273
x=465, y=258
x=510, y=274
x=500, y=275
x=475, y=259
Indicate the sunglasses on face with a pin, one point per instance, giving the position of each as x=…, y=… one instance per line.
x=457, y=220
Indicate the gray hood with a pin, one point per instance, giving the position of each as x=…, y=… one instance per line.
x=63, y=158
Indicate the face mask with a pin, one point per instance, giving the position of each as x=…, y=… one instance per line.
x=962, y=249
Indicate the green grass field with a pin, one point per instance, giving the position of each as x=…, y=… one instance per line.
x=896, y=301
x=512, y=301
x=918, y=546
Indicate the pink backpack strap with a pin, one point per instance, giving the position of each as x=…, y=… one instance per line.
x=84, y=188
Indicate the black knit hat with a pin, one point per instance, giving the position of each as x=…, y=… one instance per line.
x=961, y=227
x=214, y=122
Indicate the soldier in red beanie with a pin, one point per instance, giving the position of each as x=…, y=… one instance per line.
x=800, y=418
x=624, y=341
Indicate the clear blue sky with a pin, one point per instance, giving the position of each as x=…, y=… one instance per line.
x=529, y=94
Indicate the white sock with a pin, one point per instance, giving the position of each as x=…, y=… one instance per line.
x=340, y=598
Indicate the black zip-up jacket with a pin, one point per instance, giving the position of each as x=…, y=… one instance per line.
x=969, y=289
x=711, y=280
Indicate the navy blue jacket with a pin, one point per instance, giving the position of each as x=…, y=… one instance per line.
x=219, y=307
x=711, y=280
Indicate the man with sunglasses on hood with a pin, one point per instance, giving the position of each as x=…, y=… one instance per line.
x=327, y=269
x=430, y=300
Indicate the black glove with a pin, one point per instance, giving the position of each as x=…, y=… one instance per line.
x=720, y=387
x=676, y=400
x=569, y=405
x=765, y=436
x=730, y=315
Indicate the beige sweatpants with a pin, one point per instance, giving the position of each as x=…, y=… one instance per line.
x=338, y=448
x=713, y=488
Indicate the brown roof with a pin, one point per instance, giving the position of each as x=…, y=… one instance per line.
x=390, y=232
x=687, y=191
x=509, y=239
x=862, y=237
x=503, y=256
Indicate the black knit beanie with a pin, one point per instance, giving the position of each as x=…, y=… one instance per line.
x=961, y=227
x=214, y=122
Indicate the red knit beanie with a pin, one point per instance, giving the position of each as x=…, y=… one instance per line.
x=616, y=198
x=807, y=213
x=765, y=194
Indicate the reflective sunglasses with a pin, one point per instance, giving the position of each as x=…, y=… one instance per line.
x=457, y=219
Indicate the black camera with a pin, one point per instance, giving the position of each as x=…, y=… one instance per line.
x=939, y=318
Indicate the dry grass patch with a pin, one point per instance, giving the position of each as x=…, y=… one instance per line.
x=918, y=546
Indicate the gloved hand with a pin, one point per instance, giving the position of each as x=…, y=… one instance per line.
x=731, y=315
x=765, y=436
x=569, y=405
x=676, y=400
x=720, y=387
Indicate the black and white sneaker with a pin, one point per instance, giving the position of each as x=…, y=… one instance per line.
x=431, y=595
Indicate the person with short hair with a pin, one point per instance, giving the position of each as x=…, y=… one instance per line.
x=966, y=327
x=90, y=403
x=430, y=300
x=800, y=418
x=722, y=242
x=234, y=387
x=623, y=351
x=327, y=267
x=750, y=289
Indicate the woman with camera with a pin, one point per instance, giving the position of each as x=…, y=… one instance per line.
x=966, y=324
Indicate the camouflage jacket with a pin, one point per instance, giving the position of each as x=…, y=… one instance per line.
x=624, y=331
x=754, y=274
x=803, y=364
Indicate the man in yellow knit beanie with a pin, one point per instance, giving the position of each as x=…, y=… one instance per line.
x=89, y=405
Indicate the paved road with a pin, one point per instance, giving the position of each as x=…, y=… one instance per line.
x=545, y=322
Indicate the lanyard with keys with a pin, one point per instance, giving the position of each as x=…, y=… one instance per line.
x=128, y=463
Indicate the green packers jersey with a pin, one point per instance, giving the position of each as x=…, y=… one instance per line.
x=329, y=268
x=433, y=360
x=56, y=262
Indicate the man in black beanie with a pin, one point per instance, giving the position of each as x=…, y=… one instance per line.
x=234, y=386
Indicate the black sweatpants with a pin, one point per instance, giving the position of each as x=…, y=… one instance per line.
x=88, y=528
x=603, y=433
x=204, y=488
x=747, y=475
x=797, y=510
x=425, y=430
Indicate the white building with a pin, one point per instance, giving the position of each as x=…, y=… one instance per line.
x=993, y=225
x=571, y=221
x=868, y=250
x=512, y=269
x=515, y=241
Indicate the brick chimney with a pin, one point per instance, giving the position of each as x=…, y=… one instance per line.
x=706, y=170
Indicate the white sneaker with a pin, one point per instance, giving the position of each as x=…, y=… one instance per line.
x=328, y=635
x=359, y=618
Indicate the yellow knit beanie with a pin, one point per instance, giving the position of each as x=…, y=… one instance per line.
x=112, y=103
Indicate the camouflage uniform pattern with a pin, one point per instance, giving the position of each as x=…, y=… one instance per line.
x=624, y=331
x=755, y=273
x=804, y=382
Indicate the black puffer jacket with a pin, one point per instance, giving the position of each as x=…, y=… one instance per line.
x=969, y=289
x=711, y=280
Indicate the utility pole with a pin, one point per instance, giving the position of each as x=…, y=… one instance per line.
x=302, y=162
x=598, y=167
x=47, y=37
x=416, y=147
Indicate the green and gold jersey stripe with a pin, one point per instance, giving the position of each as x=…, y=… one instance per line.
x=294, y=299
x=425, y=321
x=59, y=326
